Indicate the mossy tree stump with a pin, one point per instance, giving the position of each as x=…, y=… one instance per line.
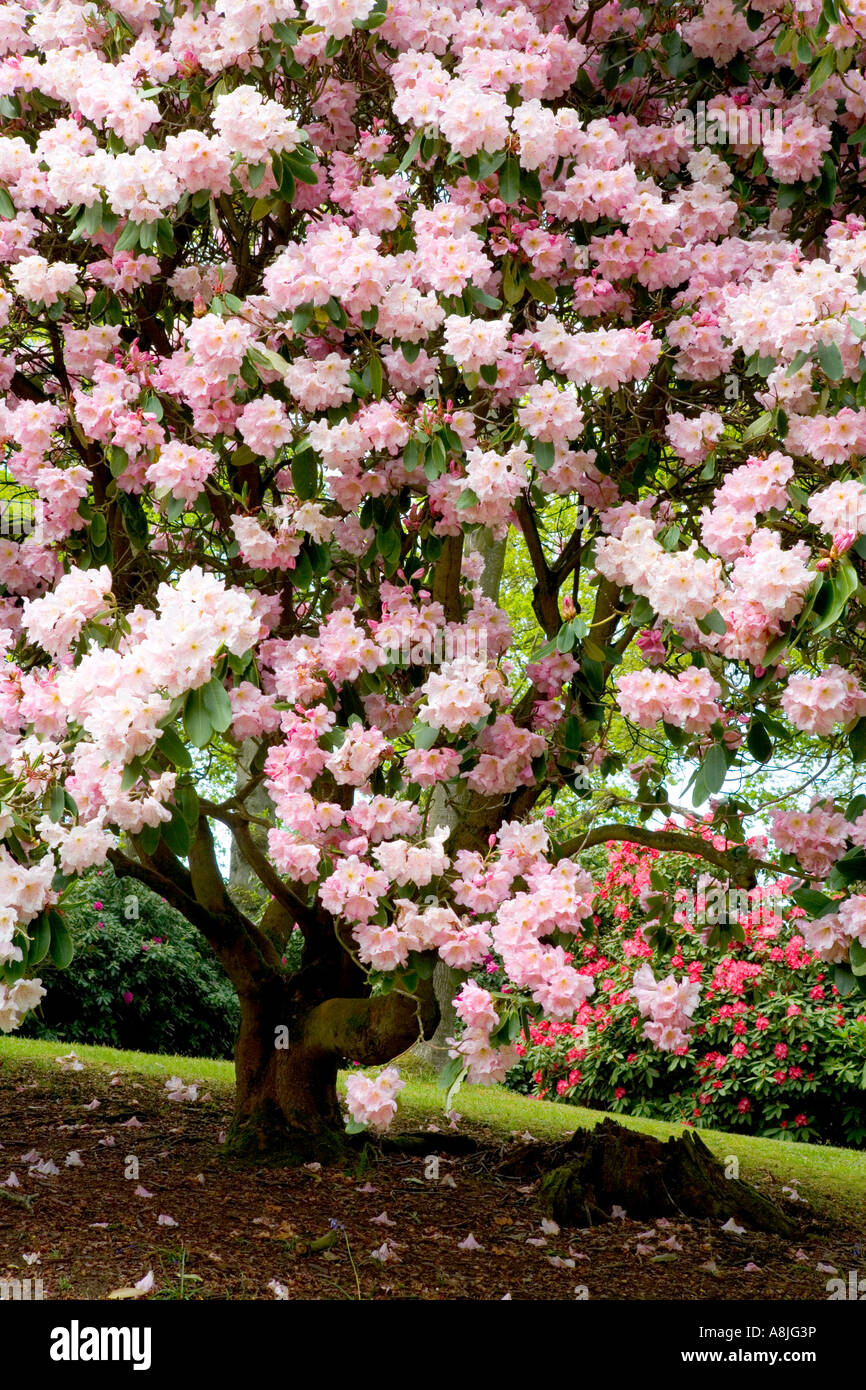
x=611, y=1166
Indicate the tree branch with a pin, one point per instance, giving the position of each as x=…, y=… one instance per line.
x=740, y=867
x=446, y=578
x=308, y=920
x=246, y=955
x=371, y=1031
x=544, y=593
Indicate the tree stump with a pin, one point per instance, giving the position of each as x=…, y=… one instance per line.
x=610, y=1165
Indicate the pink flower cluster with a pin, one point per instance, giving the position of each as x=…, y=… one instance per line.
x=688, y=700
x=372, y=1101
x=669, y=1004
x=815, y=704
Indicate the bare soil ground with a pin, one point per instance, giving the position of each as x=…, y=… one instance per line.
x=400, y=1232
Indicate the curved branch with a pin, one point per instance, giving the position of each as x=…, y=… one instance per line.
x=371, y=1031
x=247, y=956
x=544, y=595
x=307, y=919
x=741, y=867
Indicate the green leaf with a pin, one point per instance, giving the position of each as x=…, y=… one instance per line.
x=40, y=940
x=831, y=360
x=509, y=180
x=714, y=768
x=438, y=451
x=128, y=239
x=390, y=545
x=148, y=839
x=544, y=454
x=466, y=499
x=857, y=741
x=302, y=318
x=542, y=290
x=826, y=191
x=851, y=868
x=642, y=613
x=512, y=287
x=411, y=152
x=758, y=427
x=299, y=167
x=376, y=379
x=7, y=207
x=305, y=475
x=857, y=958
x=833, y=596
x=118, y=460
x=758, y=742
x=61, y=947
x=131, y=774
x=713, y=622
x=815, y=903
x=844, y=980
x=266, y=357
x=423, y=735
x=489, y=373
x=824, y=68
x=176, y=833
x=798, y=361
x=169, y=744
x=218, y=705
x=196, y=720
x=450, y=1072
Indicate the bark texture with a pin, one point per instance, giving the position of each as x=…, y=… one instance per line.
x=611, y=1165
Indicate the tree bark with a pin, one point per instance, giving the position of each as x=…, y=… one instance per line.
x=286, y=1060
x=286, y=1102
x=583, y=1178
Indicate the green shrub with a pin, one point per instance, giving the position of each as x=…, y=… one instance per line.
x=141, y=977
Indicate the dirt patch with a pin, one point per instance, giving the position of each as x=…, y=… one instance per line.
x=375, y=1227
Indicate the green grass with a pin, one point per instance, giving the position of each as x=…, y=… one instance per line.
x=27, y=1050
x=829, y=1178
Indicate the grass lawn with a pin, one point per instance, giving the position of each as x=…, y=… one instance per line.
x=830, y=1178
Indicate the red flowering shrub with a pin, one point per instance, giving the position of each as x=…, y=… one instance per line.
x=774, y=1048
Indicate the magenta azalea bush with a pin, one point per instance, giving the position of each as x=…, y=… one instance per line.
x=775, y=1048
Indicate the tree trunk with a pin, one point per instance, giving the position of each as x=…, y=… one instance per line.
x=286, y=1102
x=287, y=1055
